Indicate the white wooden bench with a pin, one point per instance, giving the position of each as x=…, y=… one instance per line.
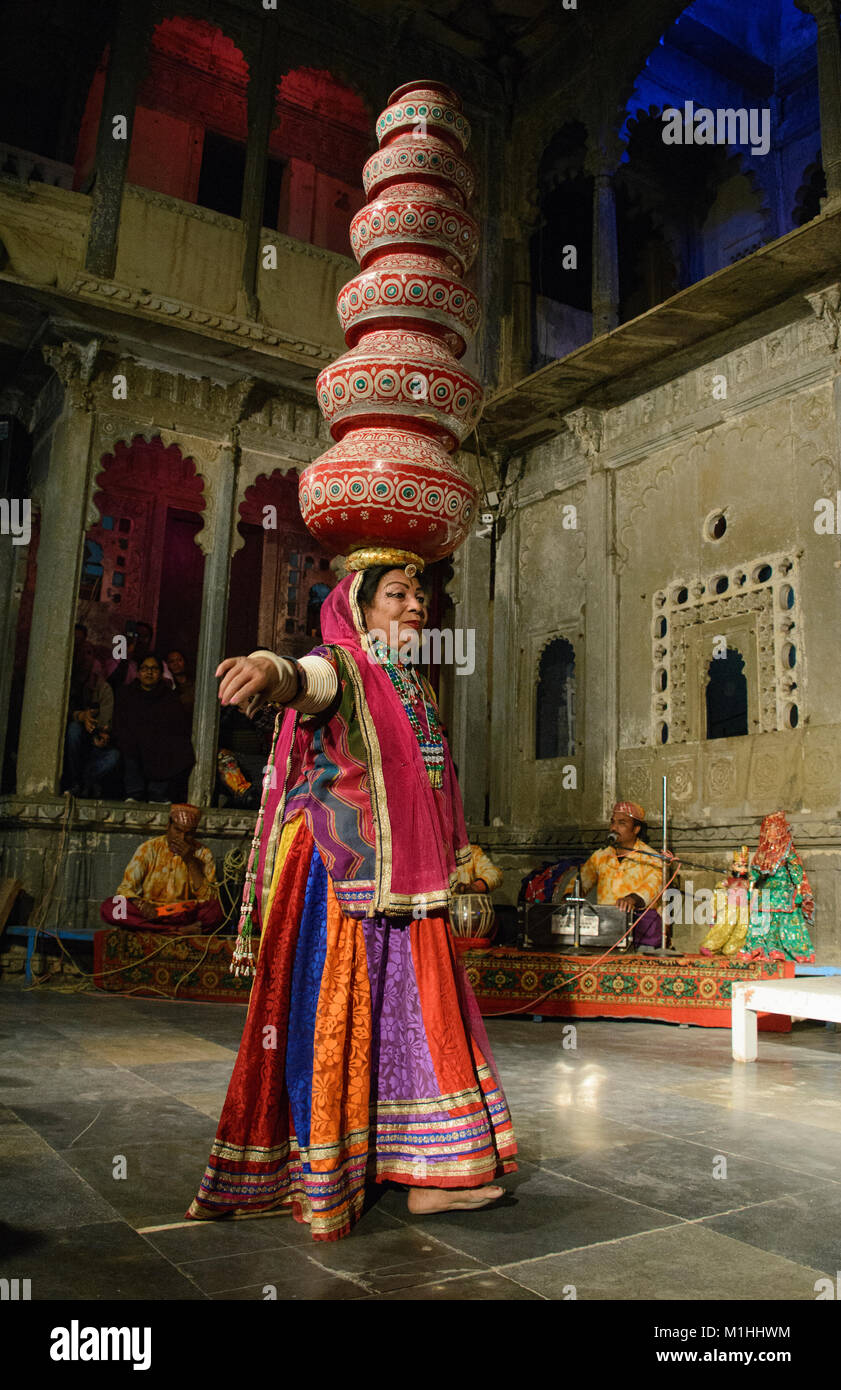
x=799, y=998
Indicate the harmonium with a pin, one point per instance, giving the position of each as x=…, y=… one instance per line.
x=552, y=927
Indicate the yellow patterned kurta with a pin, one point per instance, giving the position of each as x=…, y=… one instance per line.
x=158, y=875
x=614, y=877
x=480, y=866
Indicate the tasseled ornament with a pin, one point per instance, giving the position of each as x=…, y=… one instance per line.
x=242, y=961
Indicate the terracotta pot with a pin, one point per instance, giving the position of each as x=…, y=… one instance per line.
x=410, y=291
x=387, y=484
x=415, y=216
x=411, y=158
x=409, y=379
x=424, y=105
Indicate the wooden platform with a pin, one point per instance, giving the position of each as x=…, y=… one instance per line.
x=686, y=989
x=683, y=989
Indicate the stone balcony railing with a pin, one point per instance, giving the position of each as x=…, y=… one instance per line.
x=177, y=262
x=26, y=167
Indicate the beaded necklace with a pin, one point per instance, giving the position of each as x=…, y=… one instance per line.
x=407, y=684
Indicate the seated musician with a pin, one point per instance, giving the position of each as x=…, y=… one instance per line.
x=626, y=879
x=170, y=881
x=479, y=874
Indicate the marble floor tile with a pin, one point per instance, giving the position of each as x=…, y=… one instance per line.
x=41, y=1192
x=116, y=1123
x=805, y=1227
x=474, y=1288
x=289, y=1272
x=687, y=1263
x=615, y=1192
x=172, y=1048
x=177, y=1077
x=680, y=1176
x=804, y=1147
x=106, y=1260
x=161, y=1179
x=543, y=1213
x=24, y=1083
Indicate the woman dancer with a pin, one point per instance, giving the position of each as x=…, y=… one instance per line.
x=363, y=1053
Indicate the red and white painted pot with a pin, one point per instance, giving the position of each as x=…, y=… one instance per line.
x=410, y=158
x=424, y=107
x=410, y=379
x=387, y=486
x=415, y=216
x=413, y=292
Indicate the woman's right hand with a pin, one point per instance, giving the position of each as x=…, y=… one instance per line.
x=243, y=677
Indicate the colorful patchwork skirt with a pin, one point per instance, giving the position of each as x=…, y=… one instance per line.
x=363, y=1057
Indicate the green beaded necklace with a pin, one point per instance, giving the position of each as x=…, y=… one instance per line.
x=407, y=684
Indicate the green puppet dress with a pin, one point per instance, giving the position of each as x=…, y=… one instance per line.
x=781, y=899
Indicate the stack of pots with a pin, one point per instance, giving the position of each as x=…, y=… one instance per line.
x=398, y=402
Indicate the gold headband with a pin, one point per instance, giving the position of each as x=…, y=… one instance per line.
x=384, y=555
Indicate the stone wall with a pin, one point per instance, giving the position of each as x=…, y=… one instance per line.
x=754, y=435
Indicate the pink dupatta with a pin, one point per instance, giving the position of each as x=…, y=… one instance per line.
x=420, y=836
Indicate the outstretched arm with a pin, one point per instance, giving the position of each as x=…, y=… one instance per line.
x=308, y=685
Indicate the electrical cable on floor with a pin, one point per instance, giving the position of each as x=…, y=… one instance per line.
x=233, y=862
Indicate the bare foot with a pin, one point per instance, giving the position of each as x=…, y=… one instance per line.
x=427, y=1199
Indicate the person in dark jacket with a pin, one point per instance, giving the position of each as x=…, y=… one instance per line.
x=152, y=731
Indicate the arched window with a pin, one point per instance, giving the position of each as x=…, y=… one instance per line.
x=316, y=596
x=555, y=723
x=562, y=247
x=318, y=147
x=727, y=696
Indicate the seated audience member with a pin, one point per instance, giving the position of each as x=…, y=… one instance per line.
x=120, y=672
x=184, y=684
x=170, y=882
x=152, y=731
x=89, y=761
x=624, y=875
x=479, y=874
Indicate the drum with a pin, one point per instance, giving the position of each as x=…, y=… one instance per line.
x=472, y=914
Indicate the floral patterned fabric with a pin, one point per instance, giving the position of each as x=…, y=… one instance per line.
x=375, y=1062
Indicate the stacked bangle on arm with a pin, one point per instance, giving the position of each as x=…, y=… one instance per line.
x=308, y=685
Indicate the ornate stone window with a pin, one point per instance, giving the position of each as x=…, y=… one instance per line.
x=702, y=627
x=555, y=716
x=726, y=695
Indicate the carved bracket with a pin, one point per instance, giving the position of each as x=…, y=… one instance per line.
x=826, y=306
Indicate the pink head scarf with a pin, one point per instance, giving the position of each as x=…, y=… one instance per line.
x=420, y=832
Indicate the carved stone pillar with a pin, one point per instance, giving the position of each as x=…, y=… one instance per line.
x=825, y=14
x=127, y=59
x=503, y=662
x=216, y=540
x=468, y=733
x=602, y=163
x=521, y=305
x=219, y=465
x=47, y=686
x=601, y=684
x=261, y=110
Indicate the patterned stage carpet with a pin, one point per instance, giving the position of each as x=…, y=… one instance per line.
x=685, y=989
x=680, y=989
x=178, y=967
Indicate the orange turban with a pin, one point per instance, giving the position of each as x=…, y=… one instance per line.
x=186, y=817
x=629, y=808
